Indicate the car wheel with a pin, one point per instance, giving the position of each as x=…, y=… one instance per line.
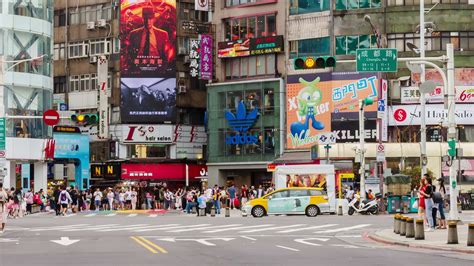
x=312, y=211
x=350, y=211
x=258, y=211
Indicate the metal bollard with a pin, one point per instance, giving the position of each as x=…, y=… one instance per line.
x=213, y=212
x=202, y=212
x=227, y=212
x=453, y=232
x=397, y=224
x=394, y=223
x=419, y=229
x=403, y=223
x=339, y=210
x=470, y=235
x=410, y=228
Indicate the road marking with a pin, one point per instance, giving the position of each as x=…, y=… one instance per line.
x=349, y=236
x=249, y=238
x=65, y=241
x=8, y=240
x=162, y=250
x=144, y=245
x=203, y=241
x=272, y=228
x=343, y=229
x=306, y=241
x=90, y=215
x=162, y=227
x=124, y=227
x=92, y=228
x=111, y=214
x=203, y=228
x=132, y=215
x=307, y=228
x=54, y=228
x=153, y=215
x=283, y=247
x=70, y=215
x=344, y=246
x=241, y=228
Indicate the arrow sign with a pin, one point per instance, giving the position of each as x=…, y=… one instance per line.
x=204, y=241
x=305, y=241
x=65, y=241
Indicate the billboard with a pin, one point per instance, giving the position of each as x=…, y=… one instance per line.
x=313, y=98
x=410, y=115
x=148, y=60
x=253, y=46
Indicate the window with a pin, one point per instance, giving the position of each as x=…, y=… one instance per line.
x=74, y=83
x=59, y=84
x=428, y=2
x=231, y=3
x=59, y=51
x=269, y=141
x=313, y=192
x=310, y=47
x=245, y=67
x=299, y=193
x=85, y=82
x=356, y=4
x=78, y=49
x=59, y=18
x=347, y=45
x=280, y=194
x=308, y=6
x=85, y=14
x=250, y=27
x=99, y=47
x=148, y=151
x=436, y=41
x=268, y=100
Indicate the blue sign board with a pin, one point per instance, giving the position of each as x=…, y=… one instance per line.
x=241, y=122
x=75, y=147
x=63, y=107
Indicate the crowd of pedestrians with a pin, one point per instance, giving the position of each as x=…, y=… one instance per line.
x=431, y=202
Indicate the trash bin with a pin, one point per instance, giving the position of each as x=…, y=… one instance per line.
x=394, y=204
x=412, y=201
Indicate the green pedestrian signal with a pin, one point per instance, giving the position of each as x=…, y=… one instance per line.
x=368, y=101
x=452, y=148
x=314, y=62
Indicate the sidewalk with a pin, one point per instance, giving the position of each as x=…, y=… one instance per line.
x=436, y=240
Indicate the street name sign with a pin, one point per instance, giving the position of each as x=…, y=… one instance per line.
x=377, y=60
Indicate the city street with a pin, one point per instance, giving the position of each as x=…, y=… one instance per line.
x=178, y=239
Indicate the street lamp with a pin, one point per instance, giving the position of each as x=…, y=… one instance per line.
x=362, y=103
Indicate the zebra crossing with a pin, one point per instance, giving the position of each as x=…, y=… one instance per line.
x=207, y=229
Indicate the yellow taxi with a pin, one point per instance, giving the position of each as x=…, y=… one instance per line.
x=292, y=200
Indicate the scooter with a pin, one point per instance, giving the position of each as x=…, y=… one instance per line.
x=364, y=207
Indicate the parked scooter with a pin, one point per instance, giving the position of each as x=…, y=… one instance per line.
x=364, y=207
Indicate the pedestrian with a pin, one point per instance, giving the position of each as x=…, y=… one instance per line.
x=260, y=191
x=232, y=193
x=168, y=198
x=3, y=208
x=244, y=194
x=110, y=199
x=349, y=194
x=57, y=206
x=441, y=198
x=88, y=199
x=191, y=201
x=162, y=198
x=149, y=199
x=64, y=200
x=122, y=199
x=202, y=200
x=216, y=193
x=29, y=201
x=74, y=197
x=97, y=199
x=427, y=193
x=178, y=196
x=134, y=198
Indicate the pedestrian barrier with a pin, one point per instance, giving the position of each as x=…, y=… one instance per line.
x=410, y=228
x=397, y=224
x=453, y=232
x=213, y=212
x=403, y=227
x=227, y=212
x=419, y=229
x=470, y=235
x=339, y=210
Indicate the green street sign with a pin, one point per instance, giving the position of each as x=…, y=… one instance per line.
x=2, y=134
x=377, y=60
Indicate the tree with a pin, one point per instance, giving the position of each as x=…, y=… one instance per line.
x=415, y=174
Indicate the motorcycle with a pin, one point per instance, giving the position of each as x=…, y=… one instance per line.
x=364, y=207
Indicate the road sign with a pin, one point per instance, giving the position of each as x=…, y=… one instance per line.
x=380, y=156
x=380, y=147
x=51, y=117
x=377, y=60
x=326, y=138
x=2, y=134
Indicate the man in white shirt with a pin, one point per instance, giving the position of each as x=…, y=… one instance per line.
x=97, y=199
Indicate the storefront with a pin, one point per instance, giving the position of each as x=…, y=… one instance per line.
x=244, y=129
x=106, y=174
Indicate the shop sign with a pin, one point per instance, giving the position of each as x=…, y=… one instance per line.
x=194, y=58
x=411, y=95
x=241, y=122
x=271, y=167
x=206, y=57
x=106, y=171
x=66, y=129
x=2, y=134
x=253, y=46
x=147, y=133
x=161, y=171
x=408, y=115
x=348, y=131
x=434, y=135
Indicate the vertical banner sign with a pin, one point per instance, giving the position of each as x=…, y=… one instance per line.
x=201, y=5
x=382, y=113
x=148, y=61
x=206, y=57
x=194, y=57
x=102, y=71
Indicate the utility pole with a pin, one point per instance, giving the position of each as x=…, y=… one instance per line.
x=423, y=159
x=362, y=149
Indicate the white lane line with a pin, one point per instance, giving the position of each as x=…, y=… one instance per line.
x=249, y=238
x=57, y=227
x=125, y=227
x=70, y=215
x=272, y=228
x=343, y=229
x=203, y=228
x=160, y=227
x=153, y=215
x=166, y=226
x=111, y=214
x=245, y=227
x=306, y=228
x=92, y=228
x=283, y=247
x=90, y=215
x=344, y=246
x=132, y=215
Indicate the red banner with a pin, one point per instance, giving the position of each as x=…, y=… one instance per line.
x=162, y=171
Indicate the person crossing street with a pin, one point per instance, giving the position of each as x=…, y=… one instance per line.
x=64, y=200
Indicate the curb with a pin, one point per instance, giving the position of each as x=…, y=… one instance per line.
x=392, y=242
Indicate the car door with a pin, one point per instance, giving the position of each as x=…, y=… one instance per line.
x=277, y=202
x=298, y=199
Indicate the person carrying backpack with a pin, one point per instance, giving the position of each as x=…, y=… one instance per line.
x=64, y=200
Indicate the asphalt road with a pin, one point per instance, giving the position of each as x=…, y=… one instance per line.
x=176, y=239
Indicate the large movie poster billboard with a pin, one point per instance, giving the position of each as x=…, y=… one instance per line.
x=148, y=60
x=312, y=98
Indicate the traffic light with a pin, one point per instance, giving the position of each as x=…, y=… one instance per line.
x=314, y=62
x=85, y=119
x=452, y=148
x=368, y=101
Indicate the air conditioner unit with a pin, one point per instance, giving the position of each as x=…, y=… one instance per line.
x=101, y=23
x=186, y=59
x=181, y=89
x=93, y=59
x=91, y=25
x=182, y=51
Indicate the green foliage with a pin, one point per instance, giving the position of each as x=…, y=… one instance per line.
x=415, y=174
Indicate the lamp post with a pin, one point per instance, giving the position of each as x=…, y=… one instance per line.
x=423, y=160
x=362, y=104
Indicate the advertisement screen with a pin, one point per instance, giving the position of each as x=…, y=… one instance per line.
x=313, y=98
x=306, y=180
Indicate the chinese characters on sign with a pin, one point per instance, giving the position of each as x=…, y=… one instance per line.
x=206, y=57
x=376, y=60
x=464, y=94
x=253, y=46
x=194, y=58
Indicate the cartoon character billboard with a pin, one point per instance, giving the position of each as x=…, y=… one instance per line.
x=312, y=98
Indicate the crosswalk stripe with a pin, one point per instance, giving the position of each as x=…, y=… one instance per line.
x=272, y=228
x=124, y=227
x=153, y=215
x=92, y=228
x=166, y=226
x=161, y=228
x=203, y=228
x=342, y=229
x=70, y=215
x=54, y=228
x=90, y=215
x=306, y=228
x=132, y=215
x=111, y=214
x=241, y=228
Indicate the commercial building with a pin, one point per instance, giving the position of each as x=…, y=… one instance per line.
x=26, y=87
x=245, y=125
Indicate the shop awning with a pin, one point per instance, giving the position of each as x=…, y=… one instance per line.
x=294, y=157
x=467, y=167
x=162, y=171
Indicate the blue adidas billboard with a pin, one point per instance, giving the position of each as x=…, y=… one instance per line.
x=241, y=122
